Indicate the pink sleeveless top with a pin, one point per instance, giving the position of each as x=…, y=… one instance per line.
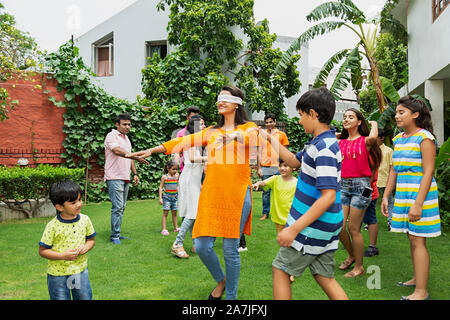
x=355, y=158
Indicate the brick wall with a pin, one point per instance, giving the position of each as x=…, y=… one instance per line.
x=34, y=128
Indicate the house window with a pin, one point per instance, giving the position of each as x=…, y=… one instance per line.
x=104, y=57
x=438, y=7
x=159, y=47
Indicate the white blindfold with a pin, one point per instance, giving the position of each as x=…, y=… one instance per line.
x=229, y=98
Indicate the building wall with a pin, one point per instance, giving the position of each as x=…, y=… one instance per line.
x=131, y=28
x=141, y=22
x=34, y=128
x=429, y=45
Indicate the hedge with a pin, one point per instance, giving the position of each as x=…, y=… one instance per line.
x=26, y=189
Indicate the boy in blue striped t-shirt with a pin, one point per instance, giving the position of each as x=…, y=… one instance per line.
x=312, y=230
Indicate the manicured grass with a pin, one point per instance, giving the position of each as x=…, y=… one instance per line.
x=144, y=269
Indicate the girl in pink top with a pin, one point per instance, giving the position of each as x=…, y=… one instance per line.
x=357, y=143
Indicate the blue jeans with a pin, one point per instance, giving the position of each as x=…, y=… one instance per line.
x=266, y=198
x=118, y=194
x=60, y=287
x=204, y=246
x=390, y=203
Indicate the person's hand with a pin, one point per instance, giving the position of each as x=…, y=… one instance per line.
x=373, y=123
x=160, y=201
x=136, y=180
x=256, y=185
x=415, y=213
x=82, y=249
x=225, y=139
x=260, y=174
x=384, y=207
x=286, y=237
x=139, y=155
x=71, y=254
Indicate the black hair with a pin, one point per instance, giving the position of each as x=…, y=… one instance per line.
x=416, y=105
x=193, y=124
x=241, y=116
x=270, y=116
x=320, y=100
x=63, y=191
x=381, y=133
x=192, y=109
x=169, y=164
x=123, y=116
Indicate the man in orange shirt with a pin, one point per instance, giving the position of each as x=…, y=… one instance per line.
x=268, y=158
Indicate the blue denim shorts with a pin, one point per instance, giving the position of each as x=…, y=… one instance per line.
x=370, y=216
x=351, y=192
x=170, y=202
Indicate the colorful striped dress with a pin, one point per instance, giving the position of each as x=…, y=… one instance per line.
x=407, y=161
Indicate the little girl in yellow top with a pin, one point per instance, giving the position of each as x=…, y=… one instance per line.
x=283, y=190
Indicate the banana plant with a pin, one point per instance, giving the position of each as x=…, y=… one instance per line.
x=350, y=71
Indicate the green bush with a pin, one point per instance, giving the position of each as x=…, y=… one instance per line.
x=26, y=189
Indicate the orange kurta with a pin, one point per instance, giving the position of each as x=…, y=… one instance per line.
x=227, y=178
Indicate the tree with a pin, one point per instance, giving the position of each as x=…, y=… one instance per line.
x=207, y=54
x=392, y=59
x=18, y=52
x=350, y=71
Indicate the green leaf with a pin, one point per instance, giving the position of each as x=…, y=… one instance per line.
x=389, y=90
x=323, y=74
x=444, y=153
x=343, y=77
x=342, y=10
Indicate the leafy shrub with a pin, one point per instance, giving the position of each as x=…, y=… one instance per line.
x=26, y=189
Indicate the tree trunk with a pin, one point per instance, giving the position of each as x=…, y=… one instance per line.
x=381, y=100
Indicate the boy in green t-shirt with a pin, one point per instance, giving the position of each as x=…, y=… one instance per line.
x=283, y=189
x=66, y=240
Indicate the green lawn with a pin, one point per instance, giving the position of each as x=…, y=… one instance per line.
x=144, y=269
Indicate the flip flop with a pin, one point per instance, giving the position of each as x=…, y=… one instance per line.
x=353, y=274
x=403, y=284
x=346, y=264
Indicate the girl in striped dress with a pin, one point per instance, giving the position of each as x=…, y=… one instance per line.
x=416, y=209
x=168, y=195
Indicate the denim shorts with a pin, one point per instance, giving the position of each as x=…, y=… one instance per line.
x=351, y=192
x=370, y=216
x=170, y=202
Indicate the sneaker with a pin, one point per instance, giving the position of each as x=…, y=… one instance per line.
x=116, y=241
x=371, y=251
x=176, y=230
x=366, y=227
x=165, y=232
x=242, y=249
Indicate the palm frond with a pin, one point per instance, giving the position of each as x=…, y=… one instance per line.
x=352, y=5
x=342, y=79
x=311, y=33
x=323, y=74
x=336, y=9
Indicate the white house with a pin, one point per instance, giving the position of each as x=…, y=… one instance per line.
x=118, y=48
x=428, y=24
